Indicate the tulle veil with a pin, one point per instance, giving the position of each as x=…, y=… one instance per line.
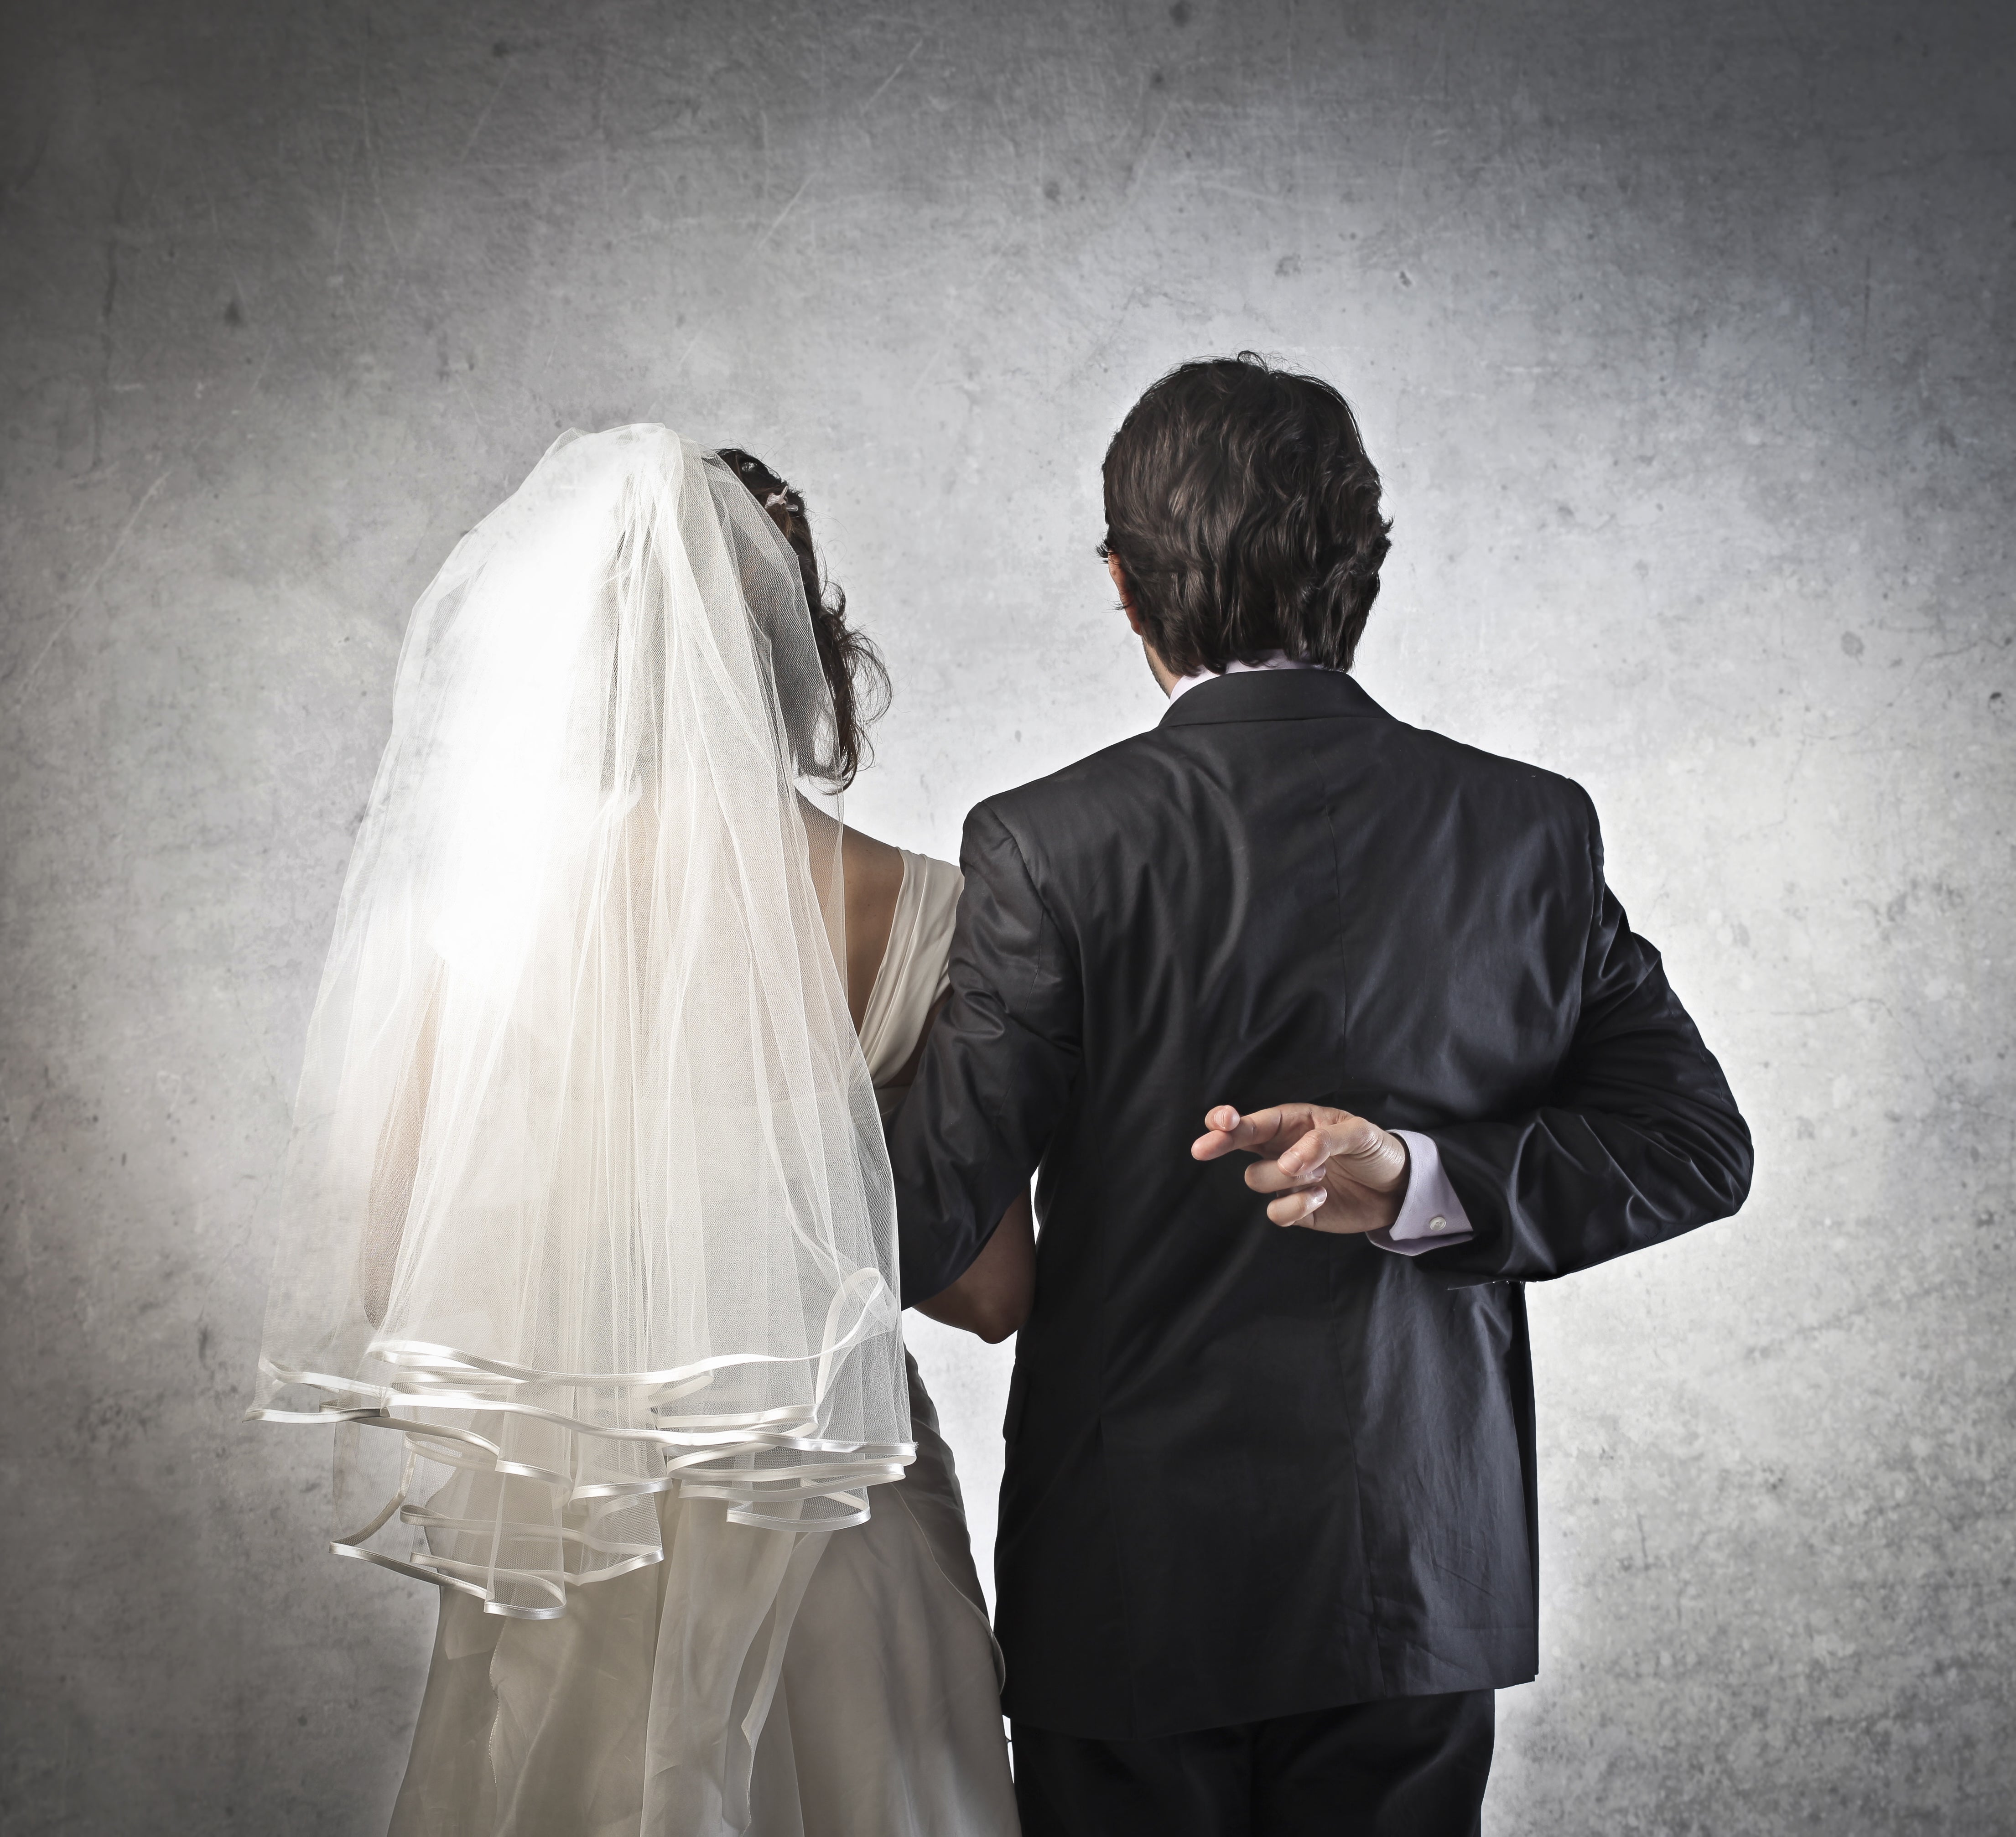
x=586, y=1197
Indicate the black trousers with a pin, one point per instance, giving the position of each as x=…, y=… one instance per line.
x=1407, y=1766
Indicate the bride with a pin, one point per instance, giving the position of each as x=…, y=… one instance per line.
x=587, y=1213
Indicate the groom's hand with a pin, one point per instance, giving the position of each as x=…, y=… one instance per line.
x=1334, y=1171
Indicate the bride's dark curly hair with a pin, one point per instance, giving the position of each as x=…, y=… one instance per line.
x=854, y=673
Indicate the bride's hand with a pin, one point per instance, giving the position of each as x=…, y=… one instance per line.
x=1333, y=1171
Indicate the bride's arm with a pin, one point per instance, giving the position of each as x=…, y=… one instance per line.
x=992, y=1298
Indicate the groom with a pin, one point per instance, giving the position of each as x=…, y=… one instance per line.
x=1267, y=1539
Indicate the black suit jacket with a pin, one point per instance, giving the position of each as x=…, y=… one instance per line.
x=1253, y=1471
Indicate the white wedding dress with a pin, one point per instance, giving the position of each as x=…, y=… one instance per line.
x=886, y=1717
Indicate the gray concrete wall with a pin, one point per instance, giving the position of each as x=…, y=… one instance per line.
x=1683, y=331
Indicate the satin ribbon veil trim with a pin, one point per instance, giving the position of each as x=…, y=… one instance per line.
x=441, y=1375
x=831, y=1496
x=705, y=1458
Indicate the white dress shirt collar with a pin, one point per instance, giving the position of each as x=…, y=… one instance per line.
x=1273, y=660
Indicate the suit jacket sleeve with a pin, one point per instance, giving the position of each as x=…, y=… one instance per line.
x=1639, y=1141
x=997, y=1070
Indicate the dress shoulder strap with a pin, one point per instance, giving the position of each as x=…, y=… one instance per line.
x=914, y=971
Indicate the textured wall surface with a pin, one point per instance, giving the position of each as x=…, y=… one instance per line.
x=1682, y=330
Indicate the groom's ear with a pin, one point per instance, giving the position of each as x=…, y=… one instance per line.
x=1120, y=586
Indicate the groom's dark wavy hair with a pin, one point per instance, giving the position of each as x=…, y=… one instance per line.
x=1242, y=507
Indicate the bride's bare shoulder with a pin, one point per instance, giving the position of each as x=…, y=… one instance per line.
x=872, y=872
x=872, y=875
x=862, y=855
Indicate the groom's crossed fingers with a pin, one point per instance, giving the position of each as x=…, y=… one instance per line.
x=1227, y=1131
x=1295, y=1157
x=1309, y=1154
x=1296, y=1138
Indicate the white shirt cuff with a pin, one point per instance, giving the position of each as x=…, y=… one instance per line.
x=1431, y=1216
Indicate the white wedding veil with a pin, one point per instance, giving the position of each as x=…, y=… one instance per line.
x=587, y=1197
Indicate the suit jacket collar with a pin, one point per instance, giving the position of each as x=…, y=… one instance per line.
x=1272, y=694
